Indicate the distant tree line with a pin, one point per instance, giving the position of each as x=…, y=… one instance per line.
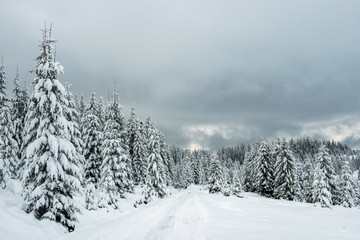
x=273, y=169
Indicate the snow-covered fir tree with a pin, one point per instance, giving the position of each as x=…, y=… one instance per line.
x=155, y=185
x=348, y=186
x=132, y=127
x=101, y=110
x=18, y=112
x=188, y=165
x=249, y=168
x=236, y=186
x=179, y=176
x=8, y=146
x=327, y=166
x=165, y=155
x=116, y=165
x=202, y=179
x=216, y=178
x=51, y=174
x=139, y=154
x=285, y=175
x=72, y=115
x=276, y=148
x=91, y=201
x=320, y=187
x=3, y=82
x=148, y=128
x=307, y=180
x=197, y=167
x=119, y=117
x=81, y=109
x=92, y=140
x=202, y=170
x=25, y=95
x=264, y=177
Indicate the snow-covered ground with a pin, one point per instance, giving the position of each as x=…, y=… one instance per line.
x=190, y=214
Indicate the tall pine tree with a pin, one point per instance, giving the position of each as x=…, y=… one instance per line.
x=131, y=131
x=18, y=112
x=285, y=183
x=155, y=185
x=348, y=196
x=116, y=165
x=327, y=167
x=264, y=177
x=92, y=139
x=320, y=187
x=250, y=168
x=52, y=175
x=139, y=154
x=8, y=146
x=216, y=178
x=72, y=115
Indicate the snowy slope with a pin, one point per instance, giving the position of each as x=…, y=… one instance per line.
x=191, y=214
x=16, y=224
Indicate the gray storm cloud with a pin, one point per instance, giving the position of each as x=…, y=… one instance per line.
x=211, y=73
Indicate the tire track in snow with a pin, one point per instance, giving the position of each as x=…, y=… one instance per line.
x=190, y=218
x=179, y=216
x=185, y=221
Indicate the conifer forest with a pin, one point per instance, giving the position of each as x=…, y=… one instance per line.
x=75, y=166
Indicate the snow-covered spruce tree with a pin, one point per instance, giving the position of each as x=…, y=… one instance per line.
x=236, y=187
x=264, y=177
x=101, y=110
x=18, y=111
x=201, y=174
x=216, y=178
x=52, y=175
x=148, y=129
x=327, y=166
x=249, y=168
x=72, y=115
x=116, y=165
x=77, y=104
x=92, y=140
x=118, y=116
x=308, y=171
x=25, y=94
x=197, y=167
x=3, y=82
x=25, y=99
x=179, y=180
x=348, y=197
x=285, y=183
x=206, y=165
x=91, y=201
x=276, y=148
x=202, y=170
x=131, y=130
x=81, y=110
x=320, y=187
x=155, y=185
x=188, y=170
x=139, y=155
x=8, y=146
x=165, y=155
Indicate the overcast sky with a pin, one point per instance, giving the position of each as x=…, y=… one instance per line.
x=210, y=73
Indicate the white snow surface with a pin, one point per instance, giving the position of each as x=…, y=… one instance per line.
x=189, y=214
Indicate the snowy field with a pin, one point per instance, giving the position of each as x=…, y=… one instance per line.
x=190, y=214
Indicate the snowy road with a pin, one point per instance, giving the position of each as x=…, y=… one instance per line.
x=190, y=214
x=179, y=216
x=195, y=214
